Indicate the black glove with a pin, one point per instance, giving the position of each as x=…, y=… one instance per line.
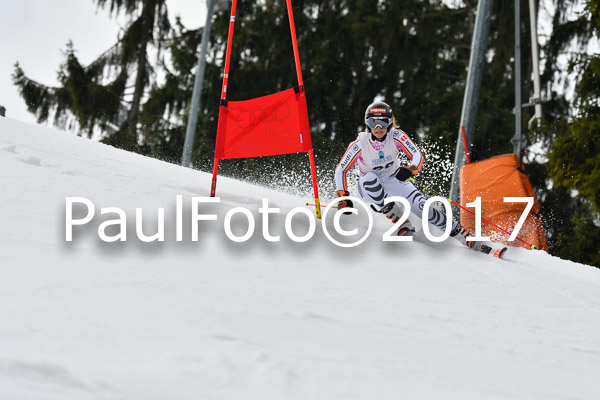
x=344, y=203
x=403, y=173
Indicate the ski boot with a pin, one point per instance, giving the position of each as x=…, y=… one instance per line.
x=461, y=234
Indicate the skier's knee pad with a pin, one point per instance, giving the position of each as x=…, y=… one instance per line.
x=370, y=187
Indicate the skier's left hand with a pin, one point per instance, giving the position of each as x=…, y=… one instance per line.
x=403, y=173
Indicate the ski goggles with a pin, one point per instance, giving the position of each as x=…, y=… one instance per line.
x=382, y=122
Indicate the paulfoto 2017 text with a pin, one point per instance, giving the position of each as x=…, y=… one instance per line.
x=120, y=221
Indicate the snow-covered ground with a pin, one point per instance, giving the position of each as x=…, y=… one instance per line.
x=216, y=319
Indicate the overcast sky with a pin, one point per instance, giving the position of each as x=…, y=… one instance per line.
x=35, y=33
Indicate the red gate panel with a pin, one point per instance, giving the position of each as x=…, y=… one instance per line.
x=265, y=126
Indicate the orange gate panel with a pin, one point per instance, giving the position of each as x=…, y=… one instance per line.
x=492, y=180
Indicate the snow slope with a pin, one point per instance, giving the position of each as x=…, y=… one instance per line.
x=215, y=319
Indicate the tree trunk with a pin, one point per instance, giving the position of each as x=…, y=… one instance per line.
x=140, y=80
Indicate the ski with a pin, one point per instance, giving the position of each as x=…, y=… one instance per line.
x=497, y=252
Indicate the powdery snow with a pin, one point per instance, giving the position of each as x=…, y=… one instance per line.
x=215, y=319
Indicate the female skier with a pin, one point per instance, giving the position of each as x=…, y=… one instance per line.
x=376, y=151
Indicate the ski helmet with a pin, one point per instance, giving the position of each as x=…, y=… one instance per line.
x=379, y=114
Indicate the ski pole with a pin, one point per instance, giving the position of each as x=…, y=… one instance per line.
x=314, y=205
x=466, y=209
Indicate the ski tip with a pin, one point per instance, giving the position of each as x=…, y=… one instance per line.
x=500, y=252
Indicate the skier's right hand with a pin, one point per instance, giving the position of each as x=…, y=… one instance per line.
x=344, y=203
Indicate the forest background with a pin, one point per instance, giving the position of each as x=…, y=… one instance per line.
x=413, y=54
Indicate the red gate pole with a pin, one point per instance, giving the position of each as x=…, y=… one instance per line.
x=301, y=87
x=228, y=53
x=213, y=186
x=224, y=88
x=313, y=172
x=295, y=44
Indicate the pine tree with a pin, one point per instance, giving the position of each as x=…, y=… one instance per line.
x=81, y=94
x=572, y=135
x=165, y=112
x=582, y=136
x=149, y=27
x=88, y=94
